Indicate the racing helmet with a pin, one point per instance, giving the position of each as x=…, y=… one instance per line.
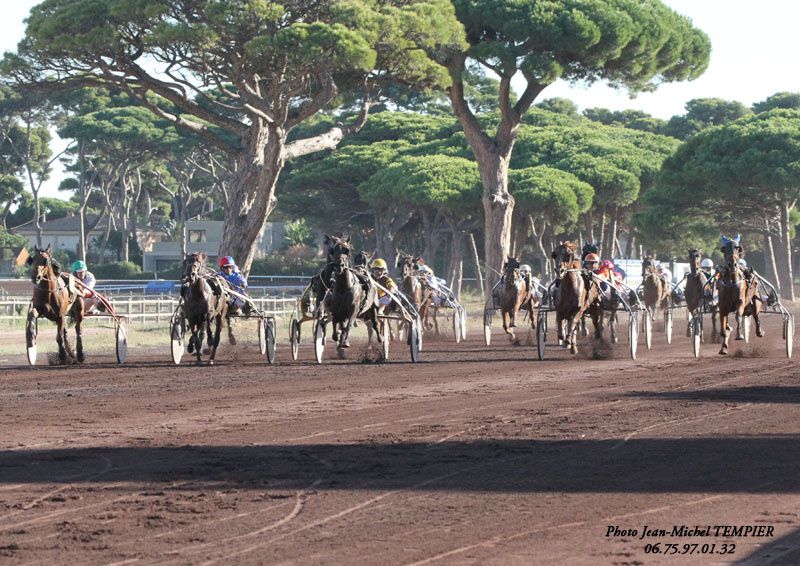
x=742, y=263
x=706, y=264
x=592, y=258
x=379, y=263
x=226, y=260
x=524, y=268
x=78, y=265
x=424, y=269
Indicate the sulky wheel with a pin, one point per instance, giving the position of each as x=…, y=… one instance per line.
x=294, y=337
x=457, y=324
x=122, y=340
x=414, y=341
x=788, y=334
x=668, y=324
x=541, y=334
x=177, y=330
x=487, y=326
x=633, y=333
x=647, y=323
x=697, y=333
x=31, y=332
x=319, y=340
x=269, y=326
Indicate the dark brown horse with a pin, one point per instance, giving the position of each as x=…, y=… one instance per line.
x=55, y=297
x=204, y=301
x=737, y=293
x=513, y=293
x=655, y=289
x=573, y=296
x=696, y=281
x=349, y=297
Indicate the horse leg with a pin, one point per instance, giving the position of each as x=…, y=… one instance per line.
x=78, y=314
x=597, y=322
x=572, y=333
x=759, y=330
x=435, y=323
x=215, y=341
x=725, y=332
x=60, y=333
x=714, y=332
x=231, y=337
x=613, y=324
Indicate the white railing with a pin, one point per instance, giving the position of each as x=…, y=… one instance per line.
x=148, y=309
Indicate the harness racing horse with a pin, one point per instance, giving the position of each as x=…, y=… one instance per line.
x=349, y=298
x=606, y=298
x=573, y=295
x=696, y=281
x=409, y=280
x=54, y=298
x=204, y=300
x=737, y=293
x=655, y=289
x=513, y=293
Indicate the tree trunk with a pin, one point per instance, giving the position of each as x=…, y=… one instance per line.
x=498, y=207
x=601, y=240
x=630, y=246
x=771, y=263
x=613, y=236
x=538, y=235
x=252, y=196
x=476, y=259
x=787, y=289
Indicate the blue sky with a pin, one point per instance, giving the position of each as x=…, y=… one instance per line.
x=754, y=55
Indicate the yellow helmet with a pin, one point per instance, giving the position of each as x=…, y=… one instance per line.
x=379, y=264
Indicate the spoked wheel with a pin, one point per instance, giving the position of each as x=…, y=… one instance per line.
x=633, y=333
x=647, y=322
x=319, y=340
x=541, y=334
x=457, y=324
x=788, y=334
x=746, y=323
x=177, y=331
x=269, y=330
x=697, y=333
x=385, y=333
x=487, y=326
x=262, y=336
x=122, y=340
x=294, y=337
x=414, y=341
x=463, y=314
x=668, y=324
x=31, y=332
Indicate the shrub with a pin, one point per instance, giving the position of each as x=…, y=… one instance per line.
x=117, y=270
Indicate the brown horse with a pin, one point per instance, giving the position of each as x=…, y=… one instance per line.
x=696, y=281
x=655, y=288
x=204, y=301
x=573, y=296
x=55, y=297
x=737, y=293
x=513, y=293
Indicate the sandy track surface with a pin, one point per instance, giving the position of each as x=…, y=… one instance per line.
x=476, y=455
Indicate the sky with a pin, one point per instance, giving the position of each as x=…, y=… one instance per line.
x=754, y=55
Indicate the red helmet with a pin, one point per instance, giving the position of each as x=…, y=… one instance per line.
x=607, y=264
x=226, y=260
x=592, y=257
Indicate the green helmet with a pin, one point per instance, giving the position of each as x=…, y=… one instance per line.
x=78, y=265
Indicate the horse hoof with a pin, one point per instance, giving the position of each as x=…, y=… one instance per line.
x=740, y=337
x=760, y=333
x=232, y=340
x=723, y=352
x=211, y=362
x=346, y=344
x=80, y=358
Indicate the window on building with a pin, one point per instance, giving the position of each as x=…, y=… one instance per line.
x=197, y=236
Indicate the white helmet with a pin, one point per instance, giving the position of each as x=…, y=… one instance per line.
x=424, y=269
x=524, y=268
x=741, y=263
x=706, y=263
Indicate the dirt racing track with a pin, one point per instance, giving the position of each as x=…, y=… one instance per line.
x=475, y=455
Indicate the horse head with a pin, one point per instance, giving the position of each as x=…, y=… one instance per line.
x=42, y=264
x=565, y=256
x=406, y=265
x=339, y=252
x=194, y=265
x=511, y=270
x=695, y=256
x=589, y=248
x=361, y=259
x=732, y=252
x=649, y=268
